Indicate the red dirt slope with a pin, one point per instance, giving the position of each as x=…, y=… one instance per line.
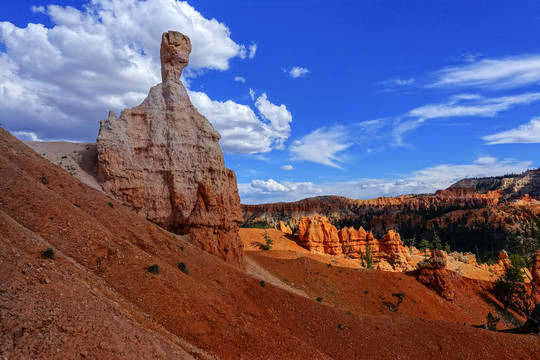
x=96, y=299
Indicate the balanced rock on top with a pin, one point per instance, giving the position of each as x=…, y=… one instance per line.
x=163, y=159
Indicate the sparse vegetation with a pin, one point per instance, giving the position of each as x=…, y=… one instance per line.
x=366, y=258
x=154, y=269
x=319, y=299
x=341, y=327
x=44, y=179
x=263, y=283
x=509, y=288
x=268, y=242
x=183, y=268
x=399, y=297
x=111, y=204
x=424, y=245
x=261, y=224
x=48, y=254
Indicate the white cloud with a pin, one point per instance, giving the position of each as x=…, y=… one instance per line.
x=240, y=79
x=279, y=117
x=458, y=106
x=523, y=134
x=493, y=73
x=252, y=50
x=26, y=136
x=297, y=72
x=287, y=167
x=426, y=180
x=60, y=81
x=242, y=132
x=252, y=94
x=322, y=146
x=398, y=82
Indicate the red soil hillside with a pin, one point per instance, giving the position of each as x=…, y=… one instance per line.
x=97, y=300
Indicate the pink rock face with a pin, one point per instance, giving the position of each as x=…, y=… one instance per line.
x=163, y=159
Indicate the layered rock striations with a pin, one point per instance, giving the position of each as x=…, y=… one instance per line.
x=163, y=159
x=317, y=234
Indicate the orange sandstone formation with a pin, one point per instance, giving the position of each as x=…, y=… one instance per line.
x=503, y=263
x=162, y=158
x=433, y=274
x=284, y=228
x=319, y=235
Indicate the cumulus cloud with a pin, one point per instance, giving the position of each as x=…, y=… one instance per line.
x=528, y=133
x=427, y=180
x=242, y=131
x=322, y=146
x=504, y=73
x=59, y=81
x=298, y=71
x=240, y=79
x=279, y=118
x=287, y=167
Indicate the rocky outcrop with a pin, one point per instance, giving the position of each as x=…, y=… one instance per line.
x=503, y=263
x=163, y=159
x=319, y=235
x=286, y=229
x=496, y=208
x=433, y=274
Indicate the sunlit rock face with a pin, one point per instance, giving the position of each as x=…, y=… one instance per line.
x=163, y=159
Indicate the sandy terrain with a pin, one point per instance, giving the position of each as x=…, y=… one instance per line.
x=98, y=300
x=79, y=159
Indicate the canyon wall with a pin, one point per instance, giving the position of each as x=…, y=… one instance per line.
x=162, y=158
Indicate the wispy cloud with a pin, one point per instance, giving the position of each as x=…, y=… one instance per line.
x=322, y=146
x=504, y=73
x=427, y=180
x=523, y=134
x=240, y=79
x=297, y=72
x=458, y=106
x=252, y=50
x=397, y=82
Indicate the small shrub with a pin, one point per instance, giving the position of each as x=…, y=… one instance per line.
x=48, y=254
x=111, y=204
x=154, y=269
x=263, y=283
x=77, y=205
x=64, y=157
x=340, y=327
x=44, y=179
x=269, y=242
x=319, y=299
x=183, y=268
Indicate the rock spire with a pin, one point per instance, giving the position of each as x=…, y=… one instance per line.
x=163, y=159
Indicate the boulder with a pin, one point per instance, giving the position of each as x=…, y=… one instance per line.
x=433, y=274
x=162, y=158
x=284, y=228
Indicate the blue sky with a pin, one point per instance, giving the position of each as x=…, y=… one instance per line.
x=354, y=98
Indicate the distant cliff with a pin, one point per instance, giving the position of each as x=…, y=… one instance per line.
x=479, y=215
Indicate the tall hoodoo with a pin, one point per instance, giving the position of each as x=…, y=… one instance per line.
x=163, y=159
